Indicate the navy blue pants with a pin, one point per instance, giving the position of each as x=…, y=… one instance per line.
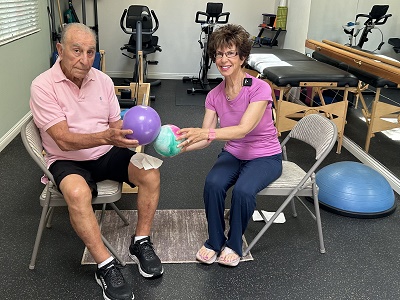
x=248, y=177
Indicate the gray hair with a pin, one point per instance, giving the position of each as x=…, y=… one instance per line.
x=78, y=26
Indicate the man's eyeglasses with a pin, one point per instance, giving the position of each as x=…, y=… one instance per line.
x=228, y=54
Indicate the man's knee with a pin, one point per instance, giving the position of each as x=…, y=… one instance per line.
x=77, y=193
x=146, y=177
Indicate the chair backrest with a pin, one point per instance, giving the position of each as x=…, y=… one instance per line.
x=317, y=131
x=33, y=143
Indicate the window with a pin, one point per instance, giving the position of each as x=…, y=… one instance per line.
x=18, y=18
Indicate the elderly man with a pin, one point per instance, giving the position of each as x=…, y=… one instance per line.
x=78, y=115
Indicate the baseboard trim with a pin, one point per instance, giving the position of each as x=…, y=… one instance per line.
x=13, y=132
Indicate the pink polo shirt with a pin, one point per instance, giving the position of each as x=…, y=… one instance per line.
x=90, y=109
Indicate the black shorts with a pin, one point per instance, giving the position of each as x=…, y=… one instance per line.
x=113, y=165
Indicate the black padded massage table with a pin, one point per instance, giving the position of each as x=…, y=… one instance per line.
x=298, y=70
x=284, y=69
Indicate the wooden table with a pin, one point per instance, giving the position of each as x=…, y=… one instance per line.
x=371, y=69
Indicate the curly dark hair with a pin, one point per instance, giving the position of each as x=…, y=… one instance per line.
x=227, y=36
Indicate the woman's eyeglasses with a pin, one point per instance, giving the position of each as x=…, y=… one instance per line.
x=228, y=54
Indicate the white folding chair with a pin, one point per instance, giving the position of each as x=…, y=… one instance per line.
x=108, y=191
x=320, y=133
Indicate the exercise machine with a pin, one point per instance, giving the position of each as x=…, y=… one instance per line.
x=139, y=20
x=377, y=16
x=207, y=20
x=70, y=15
x=54, y=35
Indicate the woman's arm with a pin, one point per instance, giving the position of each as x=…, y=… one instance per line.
x=197, y=138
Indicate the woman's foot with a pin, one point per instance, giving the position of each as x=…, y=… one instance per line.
x=206, y=255
x=229, y=258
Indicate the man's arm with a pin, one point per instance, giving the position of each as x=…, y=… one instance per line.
x=69, y=141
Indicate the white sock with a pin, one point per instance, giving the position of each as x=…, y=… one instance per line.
x=139, y=237
x=105, y=262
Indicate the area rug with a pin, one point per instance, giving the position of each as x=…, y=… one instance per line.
x=177, y=234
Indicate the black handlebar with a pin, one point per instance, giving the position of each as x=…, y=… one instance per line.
x=155, y=20
x=377, y=13
x=210, y=19
x=133, y=31
x=121, y=22
x=379, y=21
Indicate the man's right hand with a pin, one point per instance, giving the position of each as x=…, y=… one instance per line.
x=117, y=138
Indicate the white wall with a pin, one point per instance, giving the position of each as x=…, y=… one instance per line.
x=297, y=24
x=178, y=33
x=20, y=62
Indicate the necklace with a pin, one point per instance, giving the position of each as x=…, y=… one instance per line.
x=234, y=93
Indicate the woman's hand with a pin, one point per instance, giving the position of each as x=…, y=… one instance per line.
x=190, y=136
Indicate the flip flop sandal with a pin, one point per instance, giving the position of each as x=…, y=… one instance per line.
x=232, y=263
x=206, y=261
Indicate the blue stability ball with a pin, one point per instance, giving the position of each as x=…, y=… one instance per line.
x=354, y=189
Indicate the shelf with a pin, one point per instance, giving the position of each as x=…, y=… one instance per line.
x=262, y=26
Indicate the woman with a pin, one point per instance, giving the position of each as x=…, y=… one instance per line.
x=251, y=158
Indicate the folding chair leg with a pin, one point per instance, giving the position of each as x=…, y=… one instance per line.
x=106, y=243
x=258, y=236
x=112, y=250
x=269, y=223
x=49, y=217
x=119, y=213
x=318, y=219
x=41, y=226
x=294, y=212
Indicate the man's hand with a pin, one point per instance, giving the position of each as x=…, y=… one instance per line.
x=117, y=138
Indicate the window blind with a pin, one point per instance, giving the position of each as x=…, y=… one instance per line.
x=18, y=18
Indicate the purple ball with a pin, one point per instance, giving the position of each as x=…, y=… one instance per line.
x=145, y=123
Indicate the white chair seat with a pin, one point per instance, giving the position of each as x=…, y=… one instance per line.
x=291, y=176
x=106, y=188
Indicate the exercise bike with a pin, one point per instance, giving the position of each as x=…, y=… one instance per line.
x=377, y=16
x=139, y=20
x=207, y=20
